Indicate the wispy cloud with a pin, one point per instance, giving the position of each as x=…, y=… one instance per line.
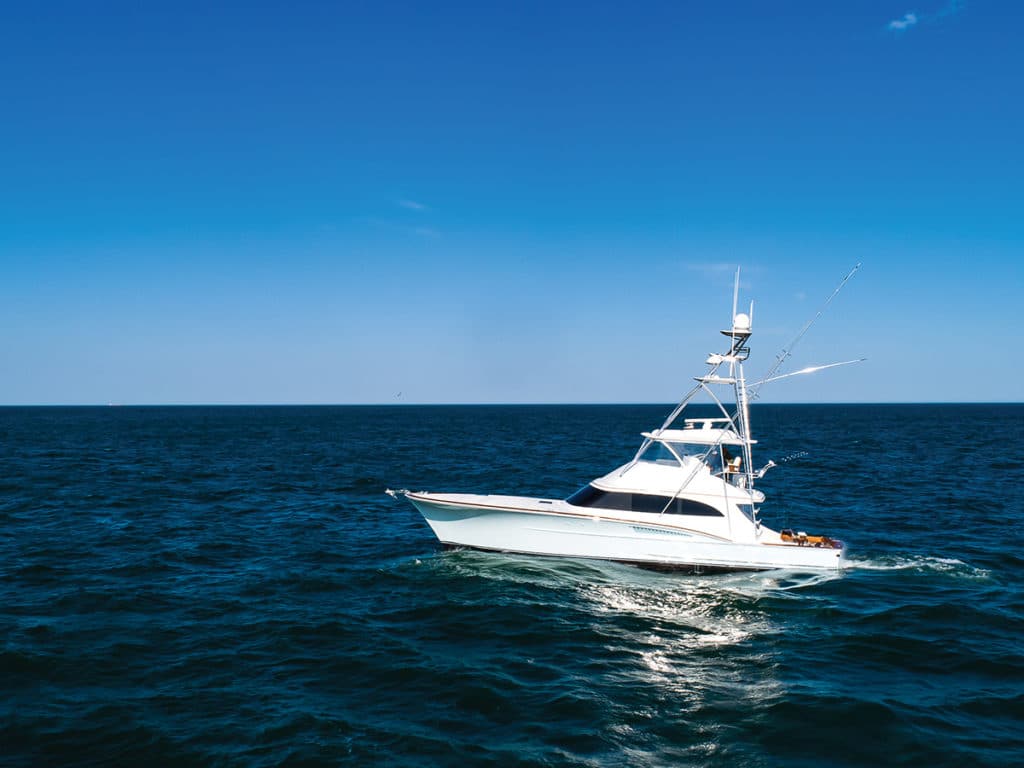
x=408, y=224
x=412, y=205
x=398, y=227
x=911, y=19
x=908, y=20
x=714, y=268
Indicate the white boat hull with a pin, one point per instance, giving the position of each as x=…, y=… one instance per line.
x=548, y=527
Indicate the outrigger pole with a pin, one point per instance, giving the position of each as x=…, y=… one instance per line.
x=787, y=351
x=809, y=369
x=744, y=393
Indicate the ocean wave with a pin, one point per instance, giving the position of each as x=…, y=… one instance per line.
x=946, y=565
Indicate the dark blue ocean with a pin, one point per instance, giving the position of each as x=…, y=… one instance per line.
x=230, y=586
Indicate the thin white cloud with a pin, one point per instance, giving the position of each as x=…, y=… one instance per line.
x=412, y=205
x=951, y=8
x=712, y=268
x=899, y=25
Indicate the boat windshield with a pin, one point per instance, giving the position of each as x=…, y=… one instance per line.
x=699, y=450
x=659, y=453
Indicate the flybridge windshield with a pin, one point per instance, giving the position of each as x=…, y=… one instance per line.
x=718, y=458
x=659, y=453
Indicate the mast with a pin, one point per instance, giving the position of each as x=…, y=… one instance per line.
x=740, y=351
x=743, y=417
x=740, y=334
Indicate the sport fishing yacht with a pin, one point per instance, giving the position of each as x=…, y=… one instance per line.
x=686, y=500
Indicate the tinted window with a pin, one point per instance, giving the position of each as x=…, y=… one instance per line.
x=589, y=496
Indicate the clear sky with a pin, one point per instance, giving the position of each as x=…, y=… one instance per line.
x=386, y=202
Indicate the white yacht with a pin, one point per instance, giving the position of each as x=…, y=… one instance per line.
x=685, y=501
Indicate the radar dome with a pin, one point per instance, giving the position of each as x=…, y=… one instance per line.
x=741, y=322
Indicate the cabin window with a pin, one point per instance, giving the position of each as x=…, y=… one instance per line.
x=589, y=496
x=658, y=453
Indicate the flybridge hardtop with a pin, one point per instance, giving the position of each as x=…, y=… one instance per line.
x=687, y=499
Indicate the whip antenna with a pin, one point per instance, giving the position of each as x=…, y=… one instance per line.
x=787, y=351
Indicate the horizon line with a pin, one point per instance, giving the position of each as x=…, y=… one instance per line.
x=484, y=404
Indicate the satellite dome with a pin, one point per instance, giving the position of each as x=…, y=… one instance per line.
x=741, y=322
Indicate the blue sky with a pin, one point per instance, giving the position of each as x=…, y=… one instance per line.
x=506, y=202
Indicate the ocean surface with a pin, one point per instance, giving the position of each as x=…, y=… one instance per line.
x=230, y=586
